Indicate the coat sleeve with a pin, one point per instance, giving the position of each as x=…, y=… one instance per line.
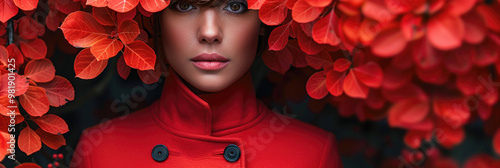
x=330, y=157
x=81, y=155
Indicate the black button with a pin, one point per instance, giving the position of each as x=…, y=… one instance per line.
x=232, y=153
x=160, y=153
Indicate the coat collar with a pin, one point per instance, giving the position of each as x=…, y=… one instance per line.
x=207, y=114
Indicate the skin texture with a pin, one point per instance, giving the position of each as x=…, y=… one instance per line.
x=206, y=29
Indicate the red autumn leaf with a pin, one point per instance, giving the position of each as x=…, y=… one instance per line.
x=54, y=20
x=448, y=136
x=389, y=42
x=144, y=12
x=273, y=12
x=459, y=7
x=335, y=82
x=122, y=68
x=4, y=137
x=370, y=74
x=353, y=87
x=59, y=91
x=484, y=111
x=15, y=53
x=414, y=138
x=459, y=60
x=299, y=57
x=4, y=106
x=319, y=3
x=490, y=15
x=424, y=55
x=324, y=30
x=20, y=83
x=482, y=161
x=34, y=49
x=302, y=12
x=316, y=85
x=320, y=60
x=375, y=100
x=35, y=101
x=86, y=65
x=475, y=28
x=122, y=5
x=453, y=111
x=40, y=70
x=279, y=37
x=4, y=56
x=29, y=28
x=278, y=61
x=154, y=5
x=52, y=124
x=395, y=78
x=82, y=30
x=128, y=31
x=255, y=4
x=437, y=75
x=445, y=31
x=53, y=141
x=143, y=36
x=486, y=53
x=139, y=55
x=9, y=10
x=405, y=112
x=26, y=5
x=377, y=10
x=106, y=49
x=104, y=16
x=402, y=6
x=29, y=142
x=496, y=142
x=341, y=64
x=121, y=17
x=28, y=165
x=97, y=3
x=67, y=6
x=412, y=26
x=150, y=76
x=306, y=43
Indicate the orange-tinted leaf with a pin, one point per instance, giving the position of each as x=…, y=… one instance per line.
x=319, y=3
x=395, y=78
x=9, y=10
x=278, y=61
x=320, y=60
x=353, y=87
x=279, y=37
x=122, y=5
x=154, y=5
x=35, y=101
x=143, y=36
x=128, y=31
x=150, y=76
x=82, y=30
x=29, y=28
x=454, y=112
x=15, y=53
x=445, y=31
x=424, y=55
x=104, y=16
x=59, y=91
x=341, y=64
x=299, y=57
x=475, y=28
x=459, y=60
x=437, y=75
x=316, y=85
x=490, y=15
x=410, y=111
x=126, y=16
x=402, y=6
x=144, y=12
x=376, y=9
x=29, y=142
x=486, y=53
x=53, y=141
x=4, y=56
x=28, y=165
x=414, y=138
x=273, y=12
x=26, y=5
x=52, y=124
x=106, y=49
x=123, y=68
x=370, y=74
x=20, y=82
x=302, y=12
x=34, y=49
x=335, y=82
x=40, y=70
x=255, y=4
x=67, y=6
x=139, y=55
x=306, y=43
x=459, y=7
x=389, y=42
x=483, y=160
x=324, y=31
x=86, y=65
x=97, y=3
x=449, y=136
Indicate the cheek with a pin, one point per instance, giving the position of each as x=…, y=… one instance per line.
x=244, y=39
x=175, y=36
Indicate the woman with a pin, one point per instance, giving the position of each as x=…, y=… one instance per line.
x=208, y=114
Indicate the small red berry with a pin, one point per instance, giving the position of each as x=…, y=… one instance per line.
x=49, y=165
x=54, y=156
x=61, y=156
x=56, y=164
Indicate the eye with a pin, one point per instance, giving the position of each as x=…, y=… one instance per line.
x=183, y=7
x=236, y=7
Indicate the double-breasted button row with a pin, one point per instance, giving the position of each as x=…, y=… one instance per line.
x=231, y=153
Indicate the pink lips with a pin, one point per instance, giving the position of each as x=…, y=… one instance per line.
x=210, y=62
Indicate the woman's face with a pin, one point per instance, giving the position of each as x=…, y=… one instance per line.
x=210, y=47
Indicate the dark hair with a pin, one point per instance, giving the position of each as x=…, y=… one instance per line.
x=262, y=44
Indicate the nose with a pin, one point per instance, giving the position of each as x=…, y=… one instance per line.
x=210, y=27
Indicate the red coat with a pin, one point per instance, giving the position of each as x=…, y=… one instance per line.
x=226, y=129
